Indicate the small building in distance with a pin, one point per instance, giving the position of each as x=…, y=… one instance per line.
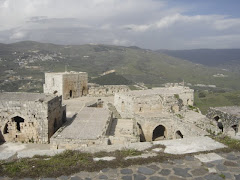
x=30, y=117
x=67, y=84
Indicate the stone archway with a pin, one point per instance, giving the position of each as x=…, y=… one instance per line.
x=19, y=129
x=178, y=135
x=159, y=133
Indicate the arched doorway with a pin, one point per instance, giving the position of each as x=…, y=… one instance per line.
x=159, y=133
x=216, y=118
x=235, y=128
x=141, y=134
x=178, y=135
x=219, y=122
x=18, y=120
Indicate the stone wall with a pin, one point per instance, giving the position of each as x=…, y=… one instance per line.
x=227, y=117
x=172, y=127
x=106, y=90
x=29, y=117
x=128, y=106
x=67, y=84
x=158, y=100
x=53, y=83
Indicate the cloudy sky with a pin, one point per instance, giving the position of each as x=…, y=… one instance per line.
x=151, y=24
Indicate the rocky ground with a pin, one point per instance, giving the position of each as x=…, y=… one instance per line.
x=204, y=167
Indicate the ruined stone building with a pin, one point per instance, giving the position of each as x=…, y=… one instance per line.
x=160, y=113
x=157, y=100
x=101, y=115
x=67, y=84
x=30, y=117
x=227, y=119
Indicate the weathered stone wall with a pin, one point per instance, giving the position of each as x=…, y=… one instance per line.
x=67, y=84
x=128, y=106
x=28, y=117
x=56, y=115
x=106, y=90
x=229, y=117
x=75, y=85
x=158, y=100
x=174, y=127
x=53, y=83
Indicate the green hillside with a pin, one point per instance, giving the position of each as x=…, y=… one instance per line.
x=32, y=59
x=111, y=79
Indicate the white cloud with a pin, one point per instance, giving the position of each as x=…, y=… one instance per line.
x=122, y=42
x=145, y=23
x=18, y=35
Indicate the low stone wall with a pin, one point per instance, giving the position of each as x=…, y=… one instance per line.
x=106, y=90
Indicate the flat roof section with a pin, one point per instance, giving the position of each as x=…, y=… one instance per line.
x=88, y=124
x=20, y=96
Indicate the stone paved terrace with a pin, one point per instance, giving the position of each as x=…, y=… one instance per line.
x=163, y=90
x=225, y=166
x=233, y=110
x=88, y=124
x=19, y=96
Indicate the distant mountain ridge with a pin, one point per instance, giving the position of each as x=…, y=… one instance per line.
x=208, y=57
x=23, y=65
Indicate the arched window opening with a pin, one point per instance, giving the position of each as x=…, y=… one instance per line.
x=142, y=137
x=159, y=133
x=235, y=128
x=70, y=93
x=83, y=90
x=220, y=126
x=5, y=130
x=18, y=120
x=216, y=118
x=179, y=135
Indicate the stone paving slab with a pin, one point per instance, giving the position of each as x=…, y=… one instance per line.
x=208, y=157
x=6, y=155
x=187, y=168
x=190, y=145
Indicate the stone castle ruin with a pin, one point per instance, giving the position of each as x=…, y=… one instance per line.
x=104, y=115
x=30, y=117
x=226, y=119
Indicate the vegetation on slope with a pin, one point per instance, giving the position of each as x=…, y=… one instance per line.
x=111, y=79
x=205, y=99
x=135, y=64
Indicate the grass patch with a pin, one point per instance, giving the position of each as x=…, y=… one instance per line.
x=216, y=99
x=233, y=144
x=222, y=176
x=70, y=162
